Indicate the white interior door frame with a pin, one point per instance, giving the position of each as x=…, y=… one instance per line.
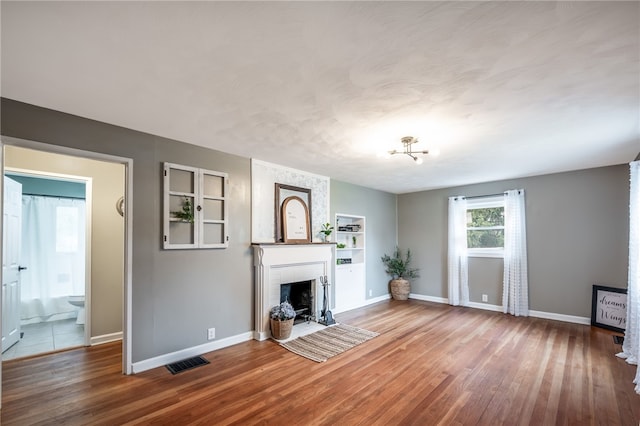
x=88, y=185
x=128, y=226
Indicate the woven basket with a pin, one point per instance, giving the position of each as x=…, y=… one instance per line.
x=281, y=329
x=400, y=289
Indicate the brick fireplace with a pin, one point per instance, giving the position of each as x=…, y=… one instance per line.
x=283, y=264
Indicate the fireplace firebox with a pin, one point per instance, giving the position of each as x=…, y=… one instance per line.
x=300, y=295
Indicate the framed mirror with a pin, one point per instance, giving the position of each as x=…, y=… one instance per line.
x=283, y=192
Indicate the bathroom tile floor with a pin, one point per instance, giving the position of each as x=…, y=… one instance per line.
x=46, y=337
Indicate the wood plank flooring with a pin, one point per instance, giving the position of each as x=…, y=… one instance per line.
x=432, y=364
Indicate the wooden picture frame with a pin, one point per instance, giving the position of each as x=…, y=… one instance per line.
x=295, y=221
x=282, y=192
x=609, y=308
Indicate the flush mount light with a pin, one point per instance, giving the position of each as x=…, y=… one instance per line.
x=407, y=141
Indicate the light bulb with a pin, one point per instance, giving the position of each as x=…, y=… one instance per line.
x=418, y=160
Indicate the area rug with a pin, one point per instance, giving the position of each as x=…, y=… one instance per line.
x=329, y=342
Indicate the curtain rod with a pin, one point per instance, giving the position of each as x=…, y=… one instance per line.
x=485, y=196
x=54, y=196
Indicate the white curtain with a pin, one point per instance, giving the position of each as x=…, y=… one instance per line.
x=515, y=294
x=53, y=249
x=458, y=267
x=631, y=345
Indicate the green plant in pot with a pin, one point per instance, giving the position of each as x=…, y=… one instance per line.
x=398, y=267
x=326, y=231
x=281, y=317
x=186, y=214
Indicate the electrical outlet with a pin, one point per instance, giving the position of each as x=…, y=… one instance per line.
x=485, y=298
x=211, y=333
x=370, y=292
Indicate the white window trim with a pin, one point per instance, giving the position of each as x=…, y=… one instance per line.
x=483, y=203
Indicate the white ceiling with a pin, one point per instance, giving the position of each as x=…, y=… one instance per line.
x=501, y=89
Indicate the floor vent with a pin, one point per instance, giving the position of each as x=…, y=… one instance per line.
x=186, y=364
x=618, y=340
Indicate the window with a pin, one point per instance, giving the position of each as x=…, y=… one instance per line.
x=485, y=227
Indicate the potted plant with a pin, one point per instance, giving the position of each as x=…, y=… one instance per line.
x=398, y=267
x=281, y=317
x=326, y=230
x=186, y=214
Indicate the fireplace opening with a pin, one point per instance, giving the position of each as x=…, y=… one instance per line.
x=300, y=295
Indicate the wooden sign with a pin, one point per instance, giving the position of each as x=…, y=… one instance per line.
x=295, y=221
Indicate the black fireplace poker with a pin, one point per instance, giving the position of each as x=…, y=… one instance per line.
x=326, y=317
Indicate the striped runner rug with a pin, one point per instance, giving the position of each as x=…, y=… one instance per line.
x=331, y=341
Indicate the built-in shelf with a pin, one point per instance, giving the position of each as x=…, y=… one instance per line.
x=350, y=279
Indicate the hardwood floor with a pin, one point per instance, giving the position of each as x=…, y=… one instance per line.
x=432, y=364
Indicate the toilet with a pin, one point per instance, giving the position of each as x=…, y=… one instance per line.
x=78, y=301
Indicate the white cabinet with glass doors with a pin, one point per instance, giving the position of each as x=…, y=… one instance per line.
x=195, y=208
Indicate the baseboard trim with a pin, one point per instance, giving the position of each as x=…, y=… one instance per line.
x=377, y=299
x=367, y=302
x=485, y=306
x=105, y=338
x=428, y=298
x=159, y=361
x=560, y=317
x=496, y=308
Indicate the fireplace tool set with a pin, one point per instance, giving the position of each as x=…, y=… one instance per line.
x=327, y=317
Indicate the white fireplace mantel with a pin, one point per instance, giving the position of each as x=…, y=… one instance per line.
x=277, y=264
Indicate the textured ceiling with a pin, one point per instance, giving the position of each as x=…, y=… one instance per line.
x=501, y=89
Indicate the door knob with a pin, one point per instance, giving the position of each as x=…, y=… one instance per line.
x=21, y=268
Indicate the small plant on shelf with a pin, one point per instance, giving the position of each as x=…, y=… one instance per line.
x=186, y=214
x=326, y=230
x=341, y=245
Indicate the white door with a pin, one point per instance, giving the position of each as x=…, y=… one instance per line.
x=11, y=263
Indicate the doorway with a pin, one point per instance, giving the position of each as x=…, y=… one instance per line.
x=111, y=284
x=124, y=208
x=53, y=312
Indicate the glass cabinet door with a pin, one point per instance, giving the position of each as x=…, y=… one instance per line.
x=195, y=208
x=214, y=209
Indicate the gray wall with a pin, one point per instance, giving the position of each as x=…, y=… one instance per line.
x=177, y=294
x=577, y=231
x=379, y=209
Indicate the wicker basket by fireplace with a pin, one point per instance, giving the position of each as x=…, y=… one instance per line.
x=281, y=329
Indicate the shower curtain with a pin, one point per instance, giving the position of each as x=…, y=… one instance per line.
x=53, y=249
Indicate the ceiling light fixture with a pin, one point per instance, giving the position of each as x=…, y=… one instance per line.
x=407, y=141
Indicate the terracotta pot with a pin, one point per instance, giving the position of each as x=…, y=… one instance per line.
x=400, y=289
x=281, y=330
